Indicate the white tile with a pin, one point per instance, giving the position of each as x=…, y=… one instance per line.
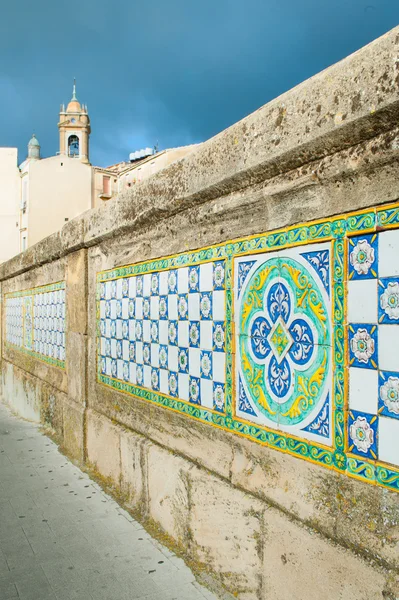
x=132, y=330
x=132, y=287
x=119, y=289
x=206, y=387
x=363, y=301
x=388, y=347
x=194, y=361
x=146, y=330
x=139, y=308
x=108, y=367
x=206, y=277
x=219, y=366
x=125, y=350
x=219, y=309
x=154, y=307
x=183, y=382
x=113, y=309
x=139, y=353
x=194, y=306
x=172, y=307
x=125, y=308
x=102, y=309
x=147, y=376
x=113, y=348
x=363, y=390
x=107, y=290
x=155, y=355
x=182, y=280
x=164, y=381
x=206, y=331
x=119, y=369
x=146, y=284
x=163, y=332
x=388, y=253
x=173, y=358
x=182, y=334
x=388, y=440
x=163, y=283
x=132, y=373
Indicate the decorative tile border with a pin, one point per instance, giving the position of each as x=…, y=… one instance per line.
x=35, y=322
x=317, y=341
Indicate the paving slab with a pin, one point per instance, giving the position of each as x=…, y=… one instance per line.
x=63, y=538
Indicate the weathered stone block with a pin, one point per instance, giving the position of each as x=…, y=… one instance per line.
x=168, y=482
x=103, y=446
x=133, y=468
x=226, y=528
x=76, y=354
x=74, y=432
x=76, y=278
x=52, y=408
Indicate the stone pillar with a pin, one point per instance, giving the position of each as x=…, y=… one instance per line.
x=76, y=354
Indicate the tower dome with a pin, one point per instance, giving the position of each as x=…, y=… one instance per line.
x=74, y=104
x=34, y=147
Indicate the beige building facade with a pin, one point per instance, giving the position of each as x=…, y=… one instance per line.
x=9, y=197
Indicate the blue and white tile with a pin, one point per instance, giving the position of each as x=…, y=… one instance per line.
x=182, y=280
x=218, y=396
x=194, y=357
x=182, y=334
x=154, y=331
x=163, y=356
x=164, y=381
x=194, y=334
x=363, y=390
x=172, y=307
x=363, y=257
x=388, y=263
x=193, y=279
x=388, y=394
x=140, y=374
x=363, y=345
x=206, y=390
x=362, y=301
x=147, y=285
x=388, y=446
x=219, y=275
x=206, y=364
x=172, y=281
x=163, y=308
x=154, y=307
x=172, y=333
x=388, y=300
x=388, y=347
x=183, y=360
x=194, y=390
x=206, y=305
x=218, y=336
x=206, y=335
x=194, y=306
x=154, y=285
x=206, y=277
x=173, y=358
x=173, y=384
x=183, y=384
x=155, y=379
x=362, y=434
x=182, y=307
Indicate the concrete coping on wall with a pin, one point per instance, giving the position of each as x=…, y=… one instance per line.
x=350, y=102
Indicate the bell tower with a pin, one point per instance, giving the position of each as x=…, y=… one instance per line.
x=74, y=128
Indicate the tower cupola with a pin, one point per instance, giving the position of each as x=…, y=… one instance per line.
x=34, y=148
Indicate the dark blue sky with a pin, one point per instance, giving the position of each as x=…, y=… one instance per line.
x=175, y=71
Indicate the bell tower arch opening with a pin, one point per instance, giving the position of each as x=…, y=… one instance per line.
x=73, y=146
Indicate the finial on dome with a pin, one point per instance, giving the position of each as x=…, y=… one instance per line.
x=74, y=89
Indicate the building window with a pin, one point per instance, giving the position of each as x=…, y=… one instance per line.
x=73, y=145
x=106, y=185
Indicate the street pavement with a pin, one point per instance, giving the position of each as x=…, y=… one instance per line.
x=63, y=538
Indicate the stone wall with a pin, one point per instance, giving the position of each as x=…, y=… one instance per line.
x=275, y=490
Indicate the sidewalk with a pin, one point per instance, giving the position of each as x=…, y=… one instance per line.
x=63, y=538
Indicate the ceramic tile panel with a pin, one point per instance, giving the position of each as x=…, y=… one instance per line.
x=35, y=322
x=289, y=338
x=162, y=333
